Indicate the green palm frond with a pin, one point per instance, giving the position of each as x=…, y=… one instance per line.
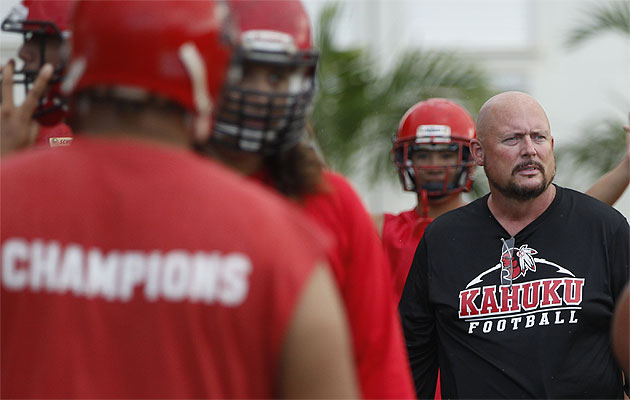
x=602, y=145
x=357, y=109
x=612, y=16
x=602, y=142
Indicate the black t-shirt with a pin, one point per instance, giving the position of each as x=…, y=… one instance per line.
x=544, y=332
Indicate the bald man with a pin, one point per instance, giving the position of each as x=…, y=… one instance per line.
x=512, y=295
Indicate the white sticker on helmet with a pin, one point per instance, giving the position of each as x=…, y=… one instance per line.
x=268, y=41
x=433, y=134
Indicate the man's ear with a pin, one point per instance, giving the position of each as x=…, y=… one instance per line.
x=476, y=150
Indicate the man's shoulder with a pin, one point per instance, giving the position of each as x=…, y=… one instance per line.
x=470, y=210
x=588, y=206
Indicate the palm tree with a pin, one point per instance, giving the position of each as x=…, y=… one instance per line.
x=357, y=109
x=603, y=141
x=613, y=16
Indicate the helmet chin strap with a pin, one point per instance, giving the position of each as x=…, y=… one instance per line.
x=418, y=229
x=424, y=203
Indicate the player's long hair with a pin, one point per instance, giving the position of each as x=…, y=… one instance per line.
x=126, y=107
x=297, y=172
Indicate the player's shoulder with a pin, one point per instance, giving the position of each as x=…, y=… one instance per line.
x=336, y=181
x=30, y=163
x=403, y=216
x=337, y=190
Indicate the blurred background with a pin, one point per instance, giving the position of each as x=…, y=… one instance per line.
x=379, y=57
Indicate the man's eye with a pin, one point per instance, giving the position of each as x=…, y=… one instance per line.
x=540, y=138
x=419, y=156
x=510, y=140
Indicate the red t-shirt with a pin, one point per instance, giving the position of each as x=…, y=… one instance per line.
x=133, y=270
x=401, y=236
x=362, y=273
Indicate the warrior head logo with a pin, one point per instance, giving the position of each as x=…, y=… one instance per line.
x=516, y=262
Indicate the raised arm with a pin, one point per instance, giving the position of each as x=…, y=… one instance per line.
x=18, y=129
x=611, y=186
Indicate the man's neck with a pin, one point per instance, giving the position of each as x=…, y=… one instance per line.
x=514, y=215
x=163, y=128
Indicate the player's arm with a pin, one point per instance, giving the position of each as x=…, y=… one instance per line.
x=611, y=186
x=317, y=356
x=18, y=130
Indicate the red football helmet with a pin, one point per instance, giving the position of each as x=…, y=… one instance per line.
x=135, y=50
x=435, y=125
x=43, y=21
x=274, y=33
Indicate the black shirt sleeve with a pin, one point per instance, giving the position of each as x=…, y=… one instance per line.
x=620, y=259
x=418, y=322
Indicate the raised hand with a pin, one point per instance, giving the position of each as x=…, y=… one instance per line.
x=18, y=130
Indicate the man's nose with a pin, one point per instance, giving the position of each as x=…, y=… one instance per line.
x=528, y=148
x=257, y=90
x=256, y=82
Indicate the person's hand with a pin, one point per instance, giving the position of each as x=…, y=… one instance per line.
x=18, y=130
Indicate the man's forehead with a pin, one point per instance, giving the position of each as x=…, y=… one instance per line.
x=521, y=108
x=522, y=120
x=523, y=126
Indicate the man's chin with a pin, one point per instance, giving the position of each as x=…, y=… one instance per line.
x=526, y=192
x=522, y=191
